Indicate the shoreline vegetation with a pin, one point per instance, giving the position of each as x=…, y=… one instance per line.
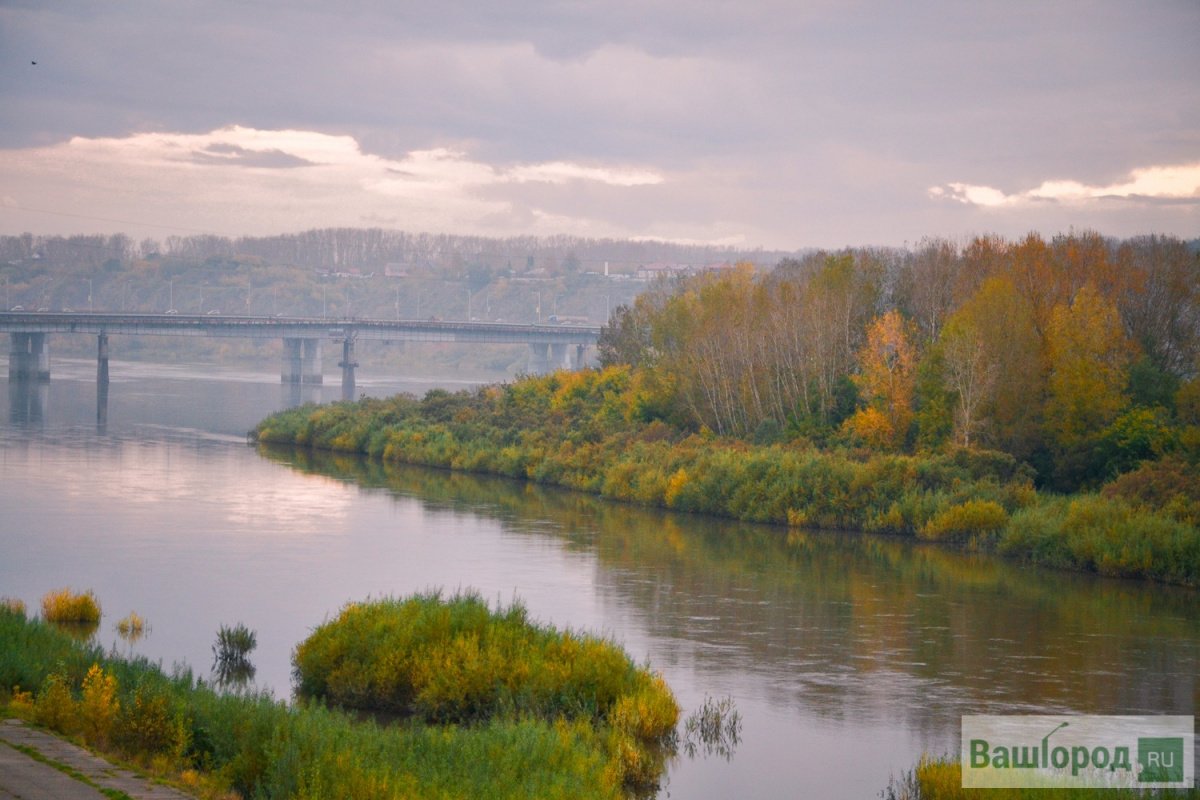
x=1036, y=399
x=940, y=778
x=587, y=430
x=481, y=703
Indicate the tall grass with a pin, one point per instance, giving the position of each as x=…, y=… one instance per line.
x=455, y=660
x=249, y=743
x=71, y=608
x=941, y=779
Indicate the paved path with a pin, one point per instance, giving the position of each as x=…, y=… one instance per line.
x=23, y=777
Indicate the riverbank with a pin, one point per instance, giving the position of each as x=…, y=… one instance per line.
x=606, y=432
x=243, y=743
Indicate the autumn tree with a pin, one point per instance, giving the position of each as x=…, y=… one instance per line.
x=1089, y=357
x=625, y=339
x=928, y=284
x=1161, y=303
x=886, y=375
x=839, y=300
x=992, y=365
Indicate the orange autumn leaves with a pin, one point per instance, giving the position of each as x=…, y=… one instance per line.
x=886, y=378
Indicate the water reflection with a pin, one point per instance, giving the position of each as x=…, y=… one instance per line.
x=80, y=631
x=27, y=402
x=850, y=626
x=231, y=663
x=713, y=729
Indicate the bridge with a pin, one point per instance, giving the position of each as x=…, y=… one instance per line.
x=550, y=346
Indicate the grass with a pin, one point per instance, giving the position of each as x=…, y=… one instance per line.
x=216, y=743
x=941, y=779
x=234, y=643
x=13, y=604
x=67, y=607
x=457, y=661
x=231, y=665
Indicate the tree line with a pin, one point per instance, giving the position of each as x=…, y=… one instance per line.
x=371, y=248
x=1078, y=355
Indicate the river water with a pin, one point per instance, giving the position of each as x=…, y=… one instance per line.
x=847, y=656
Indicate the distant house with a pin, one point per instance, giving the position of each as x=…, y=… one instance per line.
x=649, y=272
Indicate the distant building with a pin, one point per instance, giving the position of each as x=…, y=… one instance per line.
x=649, y=272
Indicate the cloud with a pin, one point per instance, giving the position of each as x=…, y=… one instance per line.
x=272, y=180
x=561, y=172
x=1157, y=183
x=224, y=153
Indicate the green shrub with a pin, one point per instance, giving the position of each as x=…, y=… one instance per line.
x=457, y=660
x=966, y=519
x=151, y=722
x=54, y=705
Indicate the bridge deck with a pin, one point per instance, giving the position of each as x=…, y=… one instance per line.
x=292, y=328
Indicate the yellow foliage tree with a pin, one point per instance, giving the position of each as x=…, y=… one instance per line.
x=885, y=380
x=1089, y=358
x=993, y=368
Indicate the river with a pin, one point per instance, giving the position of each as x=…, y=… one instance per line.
x=847, y=656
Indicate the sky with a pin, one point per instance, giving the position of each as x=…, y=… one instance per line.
x=782, y=124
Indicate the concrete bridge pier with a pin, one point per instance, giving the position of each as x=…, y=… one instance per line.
x=348, y=364
x=102, y=381
x=102, y=360
x=302, y=361
x=29, y=357
x=567, y=356
x=539, y=358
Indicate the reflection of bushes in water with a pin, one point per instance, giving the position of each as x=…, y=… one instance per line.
x=591, y=431
x=836, y=580
x=231, y=667
x=704, y=548
x=715, y=728
x=132, y=628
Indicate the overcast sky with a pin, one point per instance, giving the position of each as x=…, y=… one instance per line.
x=782, y=124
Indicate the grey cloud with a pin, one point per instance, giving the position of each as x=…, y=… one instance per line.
x=976, y=92
x=232, y=154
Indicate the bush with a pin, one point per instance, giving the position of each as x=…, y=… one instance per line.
x=98, y=706
x=458, y=661
x=966, y=519
x=64, y=606
x=13, y=604
x=150, y=723
x=54, y=706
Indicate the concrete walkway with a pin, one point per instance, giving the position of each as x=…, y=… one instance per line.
x=73, y=774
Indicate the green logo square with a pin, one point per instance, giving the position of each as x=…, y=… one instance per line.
x=1161, y=759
